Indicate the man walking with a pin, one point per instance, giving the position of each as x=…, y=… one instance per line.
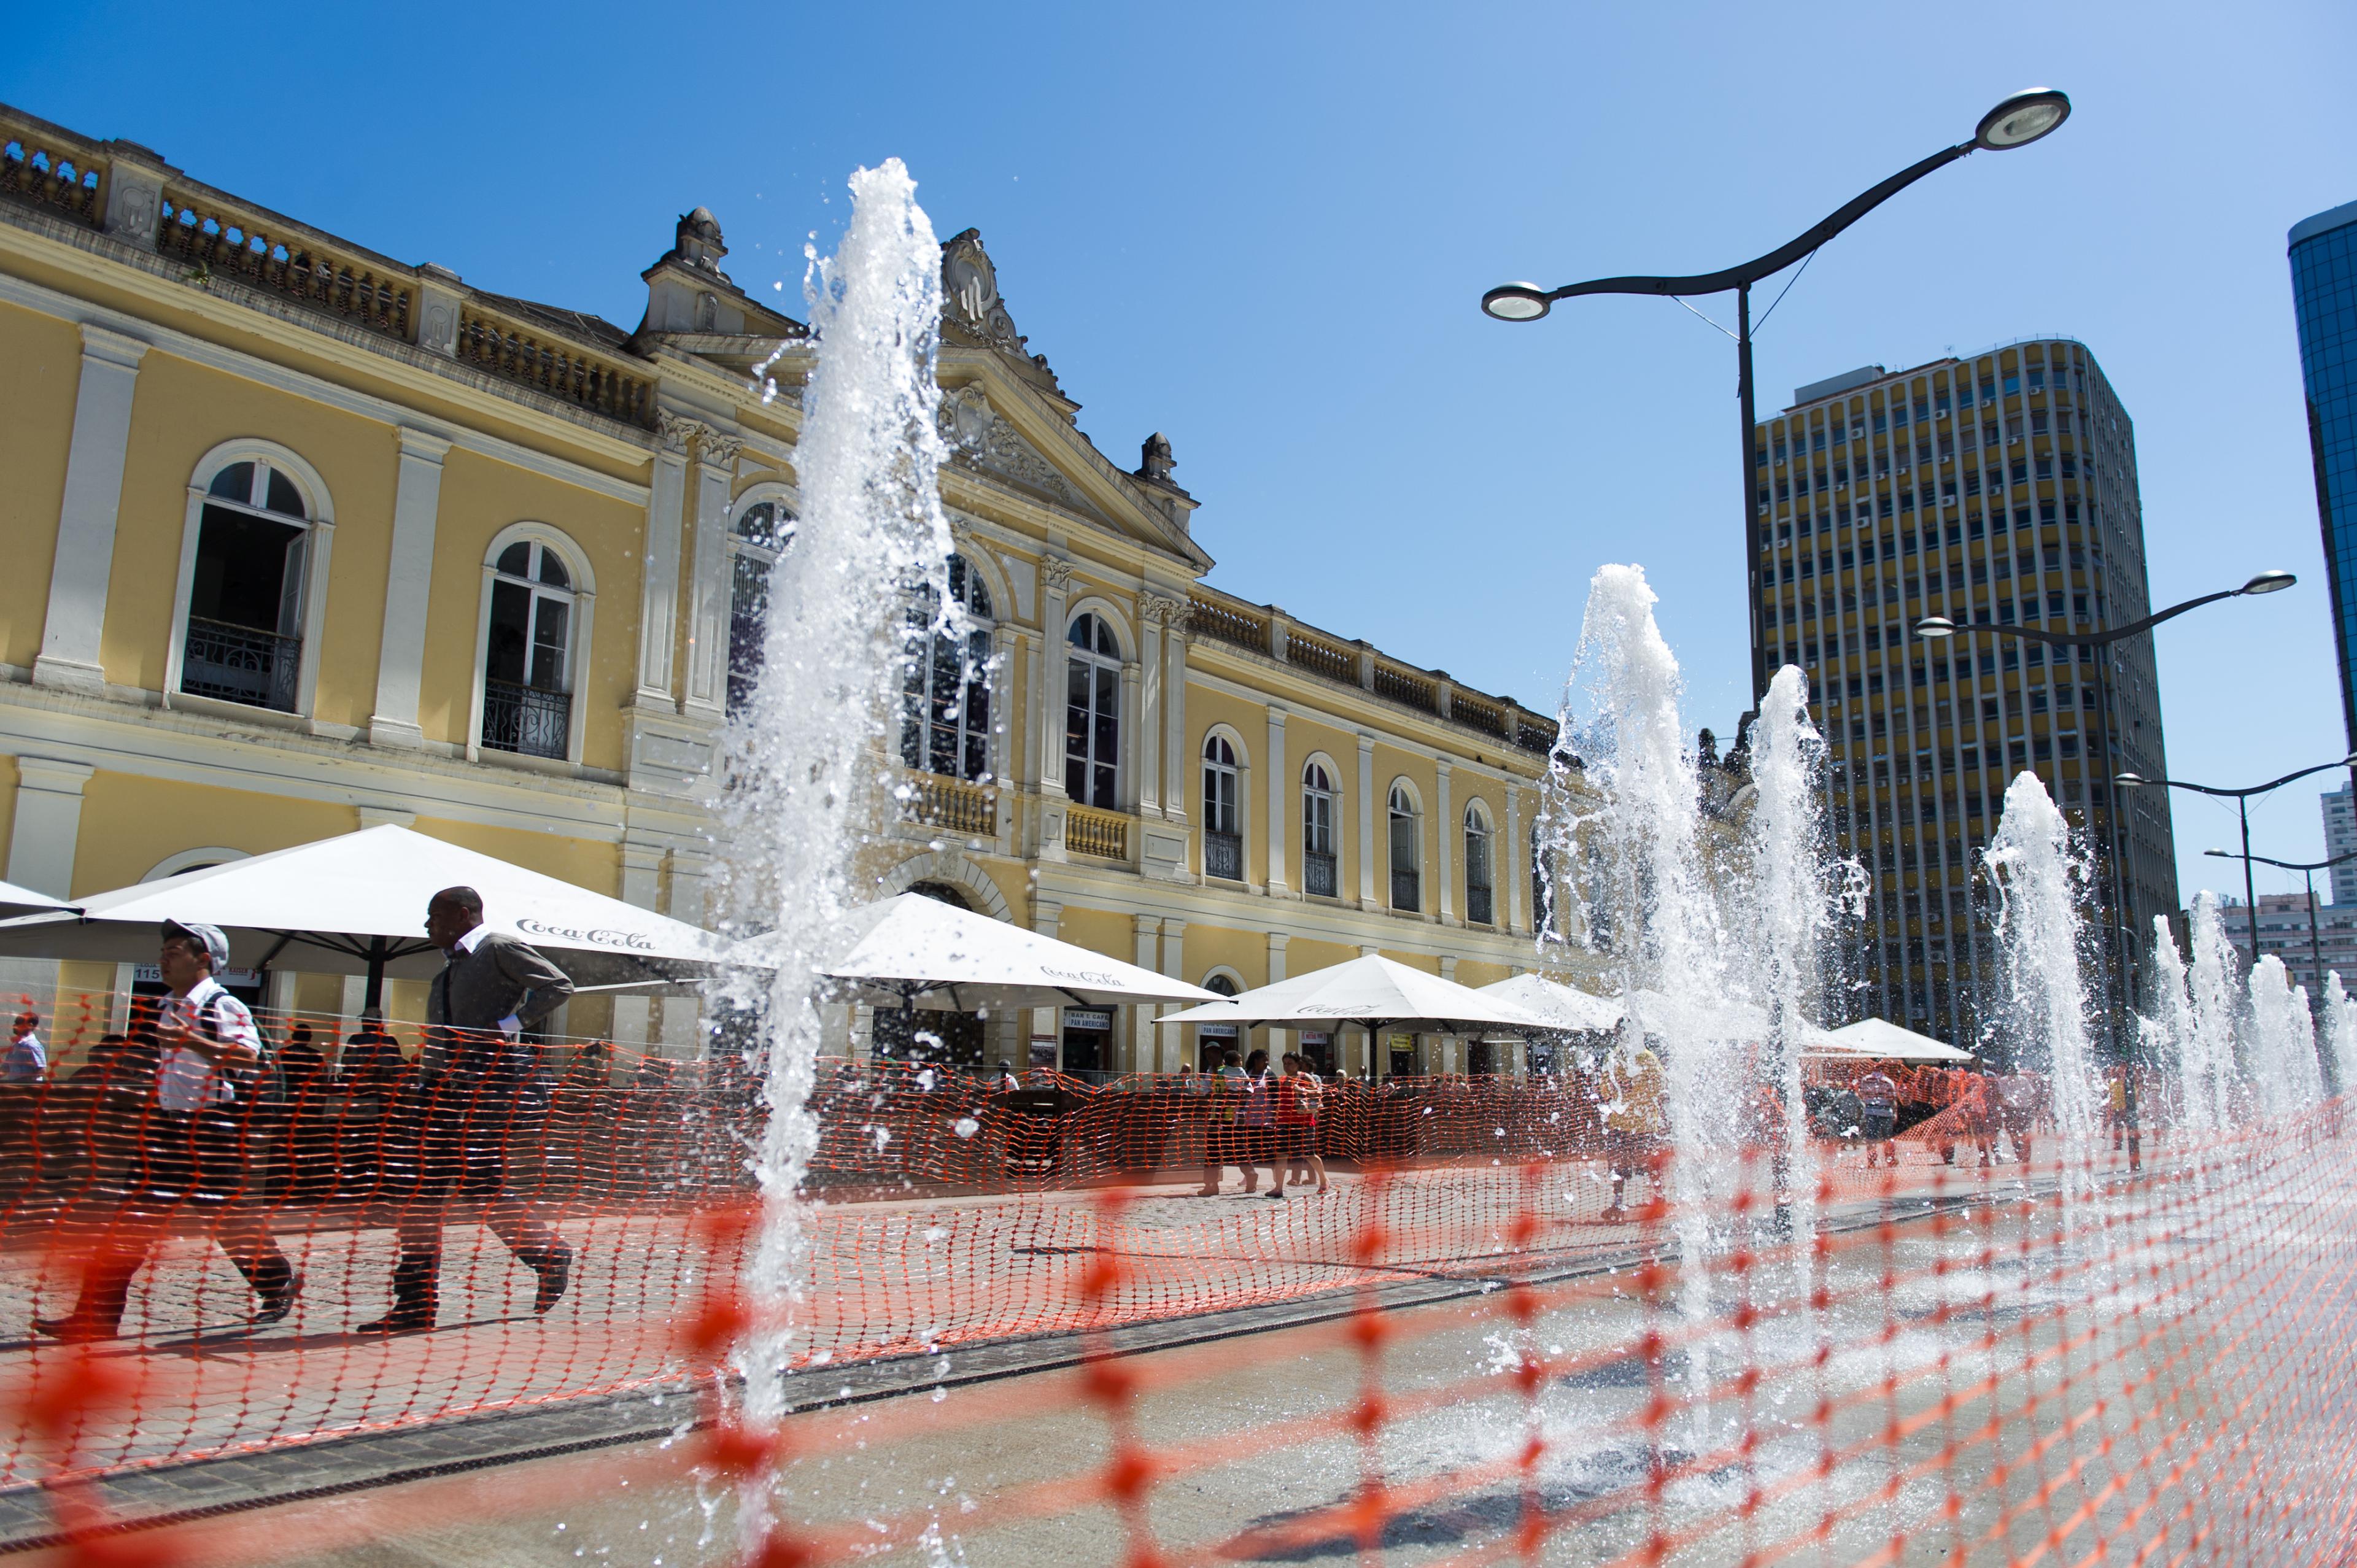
x=476, y=1075
x=189, y=1162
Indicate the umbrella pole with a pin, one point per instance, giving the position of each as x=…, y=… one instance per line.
x=372, y=996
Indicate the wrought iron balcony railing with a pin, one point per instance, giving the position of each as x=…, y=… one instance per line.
x=240, y=665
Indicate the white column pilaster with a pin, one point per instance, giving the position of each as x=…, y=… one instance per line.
x=1046, y=919
x=1443, y=838
x=1367, y=805
x=659, y=568
x=408, y=589
x=707, y=622
x=1163, y=1056
x=1142, y=1014
x=48, y=823
x=642, y=885
x=1174, y=705
x=1514, y=861
x=84, y=561
x=1133, y=744
x=1277, y=829
x=1150, y=617
x=1281, y=1040
x=1055, y=583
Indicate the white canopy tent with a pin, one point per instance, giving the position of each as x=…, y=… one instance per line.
x=16, y=900
x=1565, y=1007
x=1375, y=992
x=1883, y=1040
x=355, y=904
x=912, y=952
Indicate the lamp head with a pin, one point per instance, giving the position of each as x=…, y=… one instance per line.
x=1935, y=627
x=2021, y=119
x=2220, y=853
x=2129, y=780
x=1516, y=302
x=2268, y=583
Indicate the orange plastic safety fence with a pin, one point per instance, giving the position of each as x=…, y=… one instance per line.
x=1996, y=1344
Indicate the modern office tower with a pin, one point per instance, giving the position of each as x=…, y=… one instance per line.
x=2001, y=489
x=2324, y=298
x=2339, y=839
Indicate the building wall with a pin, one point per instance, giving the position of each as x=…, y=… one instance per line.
x=2324, y=299
x=640, y=449
x=2000, y=488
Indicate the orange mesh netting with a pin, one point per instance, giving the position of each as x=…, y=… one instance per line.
x=2067, y=1358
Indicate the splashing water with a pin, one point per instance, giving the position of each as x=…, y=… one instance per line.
x=2167, y=1032
x=2041, y=878
x=806, y=787
x=1791, y=909
x=2207, y=1058
x=2283, y=1071
x=2341, y=1028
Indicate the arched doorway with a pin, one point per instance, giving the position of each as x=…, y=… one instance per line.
x=924, y=1036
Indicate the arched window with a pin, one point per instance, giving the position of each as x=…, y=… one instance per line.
x=248, y=591
x=1407, y=850
x=945, y=704
x=528, y=652
x=762, y=533
x=1481, y=905
x=1317, y=873
x=1093, y=714
x=1223, y=843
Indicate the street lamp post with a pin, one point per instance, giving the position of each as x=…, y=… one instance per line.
x=2115, y=949
x=2307, y=870
x=2016, y=123
x=1935, y=627
x=2241, y=799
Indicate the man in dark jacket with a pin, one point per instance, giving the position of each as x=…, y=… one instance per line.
x=478, y=1084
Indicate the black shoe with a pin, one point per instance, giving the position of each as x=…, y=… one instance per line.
x=555, y=1267
x=406, y=1317
x=277, y=1302
x=75, y=1329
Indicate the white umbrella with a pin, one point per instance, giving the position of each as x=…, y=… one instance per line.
x=355, y=904
x=1375, y=992
x=1565, y=1007
x=1671, y=1018
x=912, y=952
x=16, y=900
x=1881, y=1039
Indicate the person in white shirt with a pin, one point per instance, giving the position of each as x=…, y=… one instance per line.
x=26, y=1061
x=210, y=1058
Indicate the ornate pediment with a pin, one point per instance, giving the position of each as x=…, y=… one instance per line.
x=977, y=435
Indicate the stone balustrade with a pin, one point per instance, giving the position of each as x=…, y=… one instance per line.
x=52, y=171
x=514, y=352
x=1088, y=830
x=952, y=804
x=215, y=239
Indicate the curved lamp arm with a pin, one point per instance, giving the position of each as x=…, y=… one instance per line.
x=1782, y=256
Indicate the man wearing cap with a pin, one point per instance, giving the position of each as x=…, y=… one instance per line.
x=480, y=1083
x=210, y=1058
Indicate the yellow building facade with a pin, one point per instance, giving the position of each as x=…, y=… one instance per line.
x=304, y=539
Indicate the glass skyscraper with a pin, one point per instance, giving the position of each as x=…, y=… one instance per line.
x=2324, y=297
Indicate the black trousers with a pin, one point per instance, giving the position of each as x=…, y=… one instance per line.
x=188, y=1171
x=454, y=1132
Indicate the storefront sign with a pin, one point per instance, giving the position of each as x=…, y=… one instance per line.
x=1087, y=1018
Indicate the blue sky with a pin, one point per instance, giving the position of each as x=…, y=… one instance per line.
x=1263, y=230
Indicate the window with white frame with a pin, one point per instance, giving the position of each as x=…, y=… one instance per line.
x=761, y=534
x=244, y=638
x=1093, y=714
x=1407, y=850
x=945, y=701
x=528, y=652
x=1481, y=902
x=1318, y=870
x=1223, y=848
